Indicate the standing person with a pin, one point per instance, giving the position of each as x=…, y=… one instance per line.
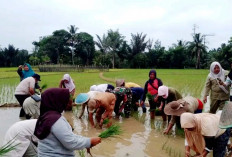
x=53, y=130
x=22, y=134
x=165, y=96
x=25, y=89
x=68, y=83
x=102, y=103
x=25, y=71
x=228, y=81
x=102, y=88
x=219, y=94
x=151, y=88
x=176, y=108
x=203, y=134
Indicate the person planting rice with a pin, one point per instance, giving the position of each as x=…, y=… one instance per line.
x=68, y=83
x=99, y=102
x=21, y=134
x=32, y=107
x=203, y=134
x=219, y=94
x=53, y=130
x=151, y=88
x=165, y=96
x=25, y=89
x=122, y=83
x=26, y=71
x=176, y=108
x=137, y=96
x=102, y=88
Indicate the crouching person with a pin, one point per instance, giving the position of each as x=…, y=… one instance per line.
x=32, y=107
x=21, y=135
x=100, y=102
x=203, y=134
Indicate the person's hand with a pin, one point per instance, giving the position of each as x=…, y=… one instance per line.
x=187, y=154
x=160, y=108
x=156, y=99
x=205, y=99
x=166, y=132
x=141, y=104
x=40, y=90
x=94, y=141
x=20, y=67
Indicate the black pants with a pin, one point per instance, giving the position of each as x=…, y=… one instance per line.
x=21, y=99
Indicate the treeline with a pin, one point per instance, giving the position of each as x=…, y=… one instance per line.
x=79, y=48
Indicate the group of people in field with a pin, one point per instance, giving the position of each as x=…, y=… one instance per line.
x=47, y=129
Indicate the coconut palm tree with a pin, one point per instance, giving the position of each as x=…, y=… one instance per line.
x=138, y=43
x=73, y=32
x=197, y=48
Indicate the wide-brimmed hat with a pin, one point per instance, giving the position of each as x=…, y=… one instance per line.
x=176, y=108
x=82, y=98
x=226, y=116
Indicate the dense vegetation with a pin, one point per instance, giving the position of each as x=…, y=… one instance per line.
x=72, y=47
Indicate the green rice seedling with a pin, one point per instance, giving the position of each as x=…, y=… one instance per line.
x=180, y=132
x=81, y=153
x=44, y=86
x=106, y=121
x=9, y=146
x=165, y=143
x=111, y=131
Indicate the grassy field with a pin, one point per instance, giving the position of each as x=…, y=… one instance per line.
x=186, y=81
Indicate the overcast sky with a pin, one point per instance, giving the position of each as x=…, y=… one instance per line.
x=24, y=21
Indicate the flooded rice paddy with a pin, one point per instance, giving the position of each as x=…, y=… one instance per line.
x=141, y=136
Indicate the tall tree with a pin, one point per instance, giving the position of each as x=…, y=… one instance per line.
x=114, y=41
x=197, y=48
x=85, y=47
x=138, y=43
x=72, y=42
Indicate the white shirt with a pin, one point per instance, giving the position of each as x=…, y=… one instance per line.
x=23, y=133
x=24, y=85
x=99, y=88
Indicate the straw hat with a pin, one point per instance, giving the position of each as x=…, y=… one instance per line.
x=82, y=98
x=120, y=82
x=226, y=116
x=176, y=108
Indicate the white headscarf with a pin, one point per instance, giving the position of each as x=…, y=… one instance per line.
x=70, y=85
x=163, y=90
x=220, y=75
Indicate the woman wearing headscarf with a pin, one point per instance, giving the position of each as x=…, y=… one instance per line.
x=26, y=72
x=102, y=88
x=203, y=135
x=219, y=94
x=165, y=96
x=68, y=83
x=151, y=88
x=53, y=130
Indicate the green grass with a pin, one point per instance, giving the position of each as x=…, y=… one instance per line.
x=186, y=81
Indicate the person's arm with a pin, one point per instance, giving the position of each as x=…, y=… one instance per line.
x=61, y=83
x=63, y=132
x=171, y=124
x=20, y=72
x=91, y=119
x=207, y=89
x=144, y=94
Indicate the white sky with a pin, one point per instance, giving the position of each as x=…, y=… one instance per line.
x=24, y=21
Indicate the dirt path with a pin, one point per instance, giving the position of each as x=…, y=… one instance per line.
x=105, y=78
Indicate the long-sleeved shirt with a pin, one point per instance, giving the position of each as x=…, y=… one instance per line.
x=62, y=141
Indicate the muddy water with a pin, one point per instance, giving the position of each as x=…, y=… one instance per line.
x=140, y=138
